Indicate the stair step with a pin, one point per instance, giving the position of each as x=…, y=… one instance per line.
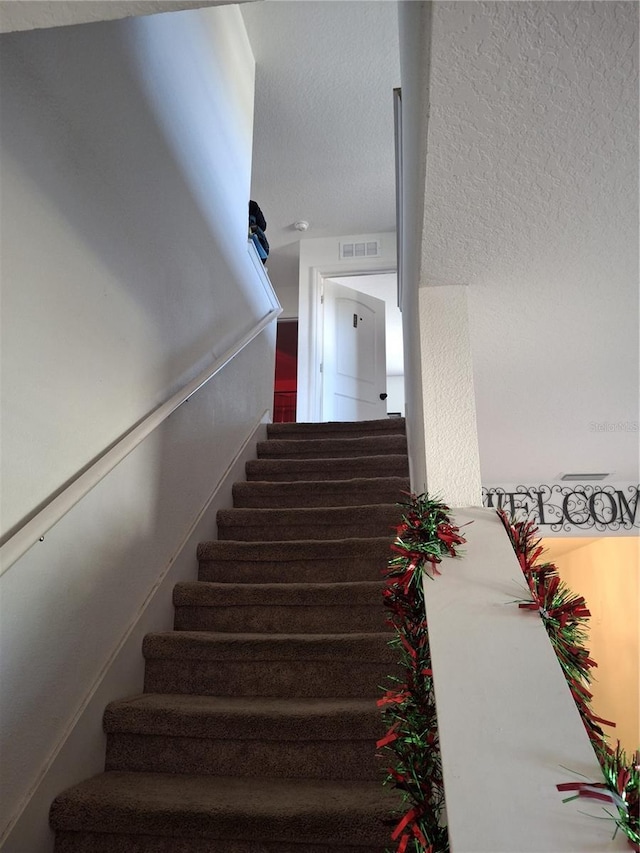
x=324, y=561
x=295, y=665
x=270, y=525
x=248, y=718
x=277, y=470
x=256, y=732
x=279, y=738
x=324, y=493
x=266, y=647
x=331, y=448
x=90, y=842
x=311, y=759
x=279, y=608
x=385, y=426
x=136, y=808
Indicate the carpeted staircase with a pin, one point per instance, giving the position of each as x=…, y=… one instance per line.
x=256, y=731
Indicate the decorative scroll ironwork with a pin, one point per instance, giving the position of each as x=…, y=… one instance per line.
x=563, y=508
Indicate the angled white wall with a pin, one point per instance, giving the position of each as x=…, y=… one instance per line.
x=126, y=159
x=26, y=15
x=125, y=180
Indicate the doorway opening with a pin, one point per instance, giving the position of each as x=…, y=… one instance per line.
x=379, y=286
x=285, y=388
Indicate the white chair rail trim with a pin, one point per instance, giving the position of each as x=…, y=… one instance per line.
x=35, y=528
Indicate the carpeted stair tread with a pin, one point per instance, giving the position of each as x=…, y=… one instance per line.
x=205, y=645
x=257, y=727
x=294, y=561
x=293, y=550
x=91, y=842
x=312, y=665
x=376, y=465
x=270, y=525
x=249, y=718
x=267, y=759
x=271, y=738
x=197, y=593
x=164, y=804
x=384, y=426
x=326, y=493
x=279, y=608
x=331, y=448
x=301, y=678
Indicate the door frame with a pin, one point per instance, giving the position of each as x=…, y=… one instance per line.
x=309, y=404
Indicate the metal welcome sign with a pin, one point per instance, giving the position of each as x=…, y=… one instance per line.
x=577, y=509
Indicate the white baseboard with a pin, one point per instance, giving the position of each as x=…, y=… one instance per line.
x=79, y=752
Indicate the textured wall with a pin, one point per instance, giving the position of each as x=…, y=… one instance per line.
x=452, y=462
x=532, y=200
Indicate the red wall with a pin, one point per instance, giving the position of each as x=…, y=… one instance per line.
x=286, y=376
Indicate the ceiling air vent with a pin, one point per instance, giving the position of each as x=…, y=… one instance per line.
x=578, y=478
x=364, y=249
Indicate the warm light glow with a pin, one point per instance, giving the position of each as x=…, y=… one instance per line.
x=606, y=572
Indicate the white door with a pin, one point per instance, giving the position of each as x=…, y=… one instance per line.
x=354, y=373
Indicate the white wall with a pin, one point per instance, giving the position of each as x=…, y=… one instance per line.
x=440, y=407
x=125, y=153
x=288, y=298
x=27, y=15
x=414, y=20
x=75, y=608
x=532, y=189
x=105, y=244
x=395, y=394
x=451, y=435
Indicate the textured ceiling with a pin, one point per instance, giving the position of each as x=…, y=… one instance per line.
x=532, y=197
x=323, y=143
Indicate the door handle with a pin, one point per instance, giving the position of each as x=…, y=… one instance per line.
x=383, y=396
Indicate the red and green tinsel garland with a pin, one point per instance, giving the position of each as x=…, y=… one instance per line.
x=619, y=791
x=565, y=618
x=423, y=537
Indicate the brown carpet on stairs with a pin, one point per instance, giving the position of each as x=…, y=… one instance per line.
x=257, y=726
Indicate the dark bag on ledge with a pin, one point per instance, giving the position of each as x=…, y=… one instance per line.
x=257, y=227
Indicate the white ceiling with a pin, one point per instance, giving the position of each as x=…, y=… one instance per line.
x=532, y=197
x=323, y=133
